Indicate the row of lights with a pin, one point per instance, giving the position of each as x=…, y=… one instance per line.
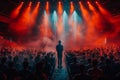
x=60, y=2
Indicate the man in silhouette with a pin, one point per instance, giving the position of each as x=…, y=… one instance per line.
x=59, y=49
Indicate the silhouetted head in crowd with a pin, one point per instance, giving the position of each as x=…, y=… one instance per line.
x=40, y=66
x=102, y=59
x=4, y=59
x=10, y=64
x=89, y=60
x=10, y=57
x=31, y=57
x=25, y=59
x=107, y=61
x=74, y=59
x=94, y=62
x=111, y=57
x=82, y=68
x=15, y=59
x=25, y=64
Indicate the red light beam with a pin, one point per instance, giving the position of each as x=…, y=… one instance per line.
x=21, y=25
x=60, y=8
x=47, y=7
x=84, y=12
x=103, y=11
x=35, y=13
x=16, y=12
x=71, y=7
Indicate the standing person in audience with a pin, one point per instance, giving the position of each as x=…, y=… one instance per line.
x=59, y=49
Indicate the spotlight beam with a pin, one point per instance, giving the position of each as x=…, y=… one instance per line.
x=71, y=7
x=16, y=12
x=60, y=8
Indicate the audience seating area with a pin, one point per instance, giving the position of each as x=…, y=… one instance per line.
x=26, y=65
x=93, y=64
x=84, y=64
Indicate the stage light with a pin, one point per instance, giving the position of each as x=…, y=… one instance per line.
x=47, y=7
x=79, y=2
x=71, y=7
x=88, y=2
x=22, y=2
x=91, y=7
x=16, y=12
x=39, y=2
x=60, y=10
x=103, y=11
x=34, y=13
x=22, y=24
x=85, y=13
x=30, y=4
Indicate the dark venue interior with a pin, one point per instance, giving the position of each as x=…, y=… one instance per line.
x=59, y=39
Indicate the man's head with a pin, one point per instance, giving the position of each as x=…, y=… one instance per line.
x=59, y=41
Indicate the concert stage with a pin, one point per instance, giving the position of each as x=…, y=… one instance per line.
x=77, y=23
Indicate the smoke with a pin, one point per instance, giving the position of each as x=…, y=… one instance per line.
x=94, y=27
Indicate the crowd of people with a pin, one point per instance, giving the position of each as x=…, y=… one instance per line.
x=94, y=64
x=83, y=64
x=26, y=64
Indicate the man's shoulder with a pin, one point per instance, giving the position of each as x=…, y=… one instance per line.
x=59, y=46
